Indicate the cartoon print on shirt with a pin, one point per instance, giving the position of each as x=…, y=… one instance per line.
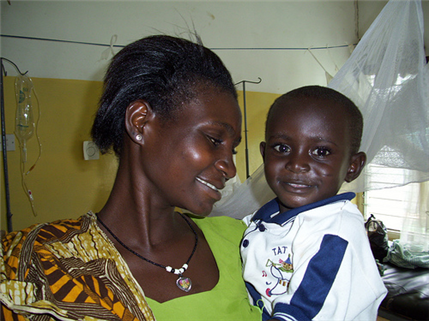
x=282, y=272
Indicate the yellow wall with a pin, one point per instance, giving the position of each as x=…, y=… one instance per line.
x=257, y=105
x=64, y=185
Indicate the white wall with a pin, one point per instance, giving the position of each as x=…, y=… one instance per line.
x=254, y=38
x=250, y=36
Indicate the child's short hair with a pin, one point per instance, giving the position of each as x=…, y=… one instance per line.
x=354, y=119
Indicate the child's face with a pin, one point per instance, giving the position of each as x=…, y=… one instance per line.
x=307, y=152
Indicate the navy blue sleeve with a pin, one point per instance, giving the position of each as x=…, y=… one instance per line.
x=321, y=272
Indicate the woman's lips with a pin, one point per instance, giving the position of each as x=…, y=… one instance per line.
x=211, y=186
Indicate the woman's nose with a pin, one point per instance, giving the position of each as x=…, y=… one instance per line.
x=226, y=166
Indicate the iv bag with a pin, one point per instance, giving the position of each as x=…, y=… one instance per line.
x=24, y=121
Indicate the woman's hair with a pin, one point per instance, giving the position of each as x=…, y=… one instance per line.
x=163, y=70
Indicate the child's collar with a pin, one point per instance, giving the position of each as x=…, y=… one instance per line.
x=270, y=211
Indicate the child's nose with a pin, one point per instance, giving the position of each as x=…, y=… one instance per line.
x=298, y=163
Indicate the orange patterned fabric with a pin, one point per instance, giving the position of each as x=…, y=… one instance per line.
x=67, y=270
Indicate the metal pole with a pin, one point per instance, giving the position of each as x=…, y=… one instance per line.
x=245, y=130
x=245, y=121
x=5, y=169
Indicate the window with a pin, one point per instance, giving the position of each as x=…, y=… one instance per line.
x=403, y=208
x=390, y=205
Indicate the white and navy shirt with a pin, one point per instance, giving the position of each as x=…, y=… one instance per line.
x=311, y=263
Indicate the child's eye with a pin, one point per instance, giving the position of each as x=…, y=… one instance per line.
x=321, y=152
x=281, y=148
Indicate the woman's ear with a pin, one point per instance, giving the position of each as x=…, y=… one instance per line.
x=138, y=113
x=357, y=162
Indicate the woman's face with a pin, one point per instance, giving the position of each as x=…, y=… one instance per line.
x=188, y=160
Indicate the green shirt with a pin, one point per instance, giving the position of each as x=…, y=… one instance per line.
x=228, y=300
x=70, y=270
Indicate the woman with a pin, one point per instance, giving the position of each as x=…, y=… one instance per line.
x=169, y=111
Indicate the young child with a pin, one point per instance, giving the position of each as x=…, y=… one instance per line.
x=306, y=255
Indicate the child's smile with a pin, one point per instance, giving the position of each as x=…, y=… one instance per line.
x=296, y=187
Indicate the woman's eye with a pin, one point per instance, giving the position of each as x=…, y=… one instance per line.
x=281, y=148
x=321, y=152
x=215, y=141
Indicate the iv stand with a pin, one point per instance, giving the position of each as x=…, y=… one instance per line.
x=5, y=170
x=3, y=135
x=245, y=120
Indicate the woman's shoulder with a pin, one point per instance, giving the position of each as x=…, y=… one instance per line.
x=61, y=224
x=43, y=233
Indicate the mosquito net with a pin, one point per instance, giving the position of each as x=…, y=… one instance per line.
x=387, y=77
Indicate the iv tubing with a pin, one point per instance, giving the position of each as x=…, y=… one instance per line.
x=27, y=191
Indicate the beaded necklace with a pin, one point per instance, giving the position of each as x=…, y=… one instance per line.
x=183, y=283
